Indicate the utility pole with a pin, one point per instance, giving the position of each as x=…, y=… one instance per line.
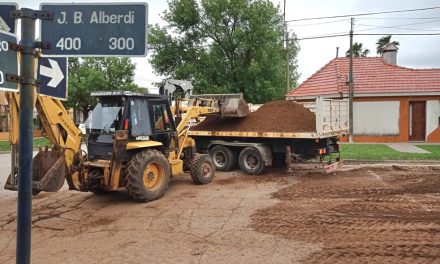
x=286, y=50
x=287, y=64
x=351, y=86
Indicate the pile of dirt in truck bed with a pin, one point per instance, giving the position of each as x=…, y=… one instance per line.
x=274, y=116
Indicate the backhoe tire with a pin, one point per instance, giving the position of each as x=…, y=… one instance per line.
x=224, y=158
x=148, y=175
x=202, y=169
x=250, y=161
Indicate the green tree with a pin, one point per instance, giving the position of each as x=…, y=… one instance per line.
x=383, y=42
x=97, y=74
x=358, y=51
x=225, y=46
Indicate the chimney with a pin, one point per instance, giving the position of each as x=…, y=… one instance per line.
x=389, y=54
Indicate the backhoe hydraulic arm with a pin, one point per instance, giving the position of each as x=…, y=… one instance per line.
x=50, y=167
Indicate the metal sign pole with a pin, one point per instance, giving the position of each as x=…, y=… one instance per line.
x=27, y=72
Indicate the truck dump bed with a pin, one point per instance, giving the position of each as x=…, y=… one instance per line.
x=282, y=119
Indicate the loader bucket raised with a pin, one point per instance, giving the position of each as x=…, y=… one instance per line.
x=231, y=105
x=234, y=107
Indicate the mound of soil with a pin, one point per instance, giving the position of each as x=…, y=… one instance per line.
x=274, y=116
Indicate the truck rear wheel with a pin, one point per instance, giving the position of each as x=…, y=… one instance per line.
x=148, y=175
x=202, y=169
x=224, y=158
x=250, y=161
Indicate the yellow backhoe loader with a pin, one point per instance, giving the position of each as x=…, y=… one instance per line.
x=136, y=141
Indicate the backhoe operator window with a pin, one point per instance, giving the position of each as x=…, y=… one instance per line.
x=106, y=116
x=139, y=118
x=162, y=120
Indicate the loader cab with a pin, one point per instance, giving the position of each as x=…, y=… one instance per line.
x=147, y=117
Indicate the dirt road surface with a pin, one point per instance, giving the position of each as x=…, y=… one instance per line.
x=376, y=215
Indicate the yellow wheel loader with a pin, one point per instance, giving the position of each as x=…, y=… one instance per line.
x=136, y=141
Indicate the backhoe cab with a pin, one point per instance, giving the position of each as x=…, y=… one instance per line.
x=146, y=118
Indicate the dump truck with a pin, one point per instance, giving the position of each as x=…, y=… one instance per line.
x=255, y=149
x=134, y=143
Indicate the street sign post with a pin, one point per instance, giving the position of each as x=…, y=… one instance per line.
x=27, y=73
x=7, y=23
x=52, y=73
x=97, y=29
x=8, y=62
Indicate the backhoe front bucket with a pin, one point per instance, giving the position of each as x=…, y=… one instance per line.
x=234, y=107
x=48, y=172
x=231, y=105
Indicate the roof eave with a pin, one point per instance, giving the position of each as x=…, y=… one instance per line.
x=338, y=95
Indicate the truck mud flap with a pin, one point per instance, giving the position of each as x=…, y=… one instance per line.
x=333, y=167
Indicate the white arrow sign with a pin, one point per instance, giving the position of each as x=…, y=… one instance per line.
x=4, y=26
x=54, y=73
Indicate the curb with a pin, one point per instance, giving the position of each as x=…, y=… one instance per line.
x=8, y=151
x=419, y=162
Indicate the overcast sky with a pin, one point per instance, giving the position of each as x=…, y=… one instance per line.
x=414, y=51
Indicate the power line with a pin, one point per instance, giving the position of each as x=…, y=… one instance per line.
x=366, y=34
x=335, y=35
x=413, y=29
x=323, y=36
x=399, y=18
x=320, y=23
x=400, y=28
x=394, y=26
x=398, y=34
x=366, y=14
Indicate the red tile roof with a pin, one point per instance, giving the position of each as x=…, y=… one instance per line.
x=372, y=75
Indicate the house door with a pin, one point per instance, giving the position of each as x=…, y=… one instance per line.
x=417, y=123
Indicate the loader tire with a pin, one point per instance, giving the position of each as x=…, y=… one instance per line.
x=224, y=158
x=148, y=175
x=202, y=169
x=250, y=161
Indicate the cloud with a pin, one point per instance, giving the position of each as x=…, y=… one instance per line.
x=415, y=51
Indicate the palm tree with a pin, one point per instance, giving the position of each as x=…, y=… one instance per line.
x=358, y=51
x=383, y=42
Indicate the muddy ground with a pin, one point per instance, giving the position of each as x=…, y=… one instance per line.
x=367, y=215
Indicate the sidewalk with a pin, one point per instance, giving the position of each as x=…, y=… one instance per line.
x=407, y=147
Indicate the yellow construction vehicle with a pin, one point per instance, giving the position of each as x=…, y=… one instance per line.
x=136, y=141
